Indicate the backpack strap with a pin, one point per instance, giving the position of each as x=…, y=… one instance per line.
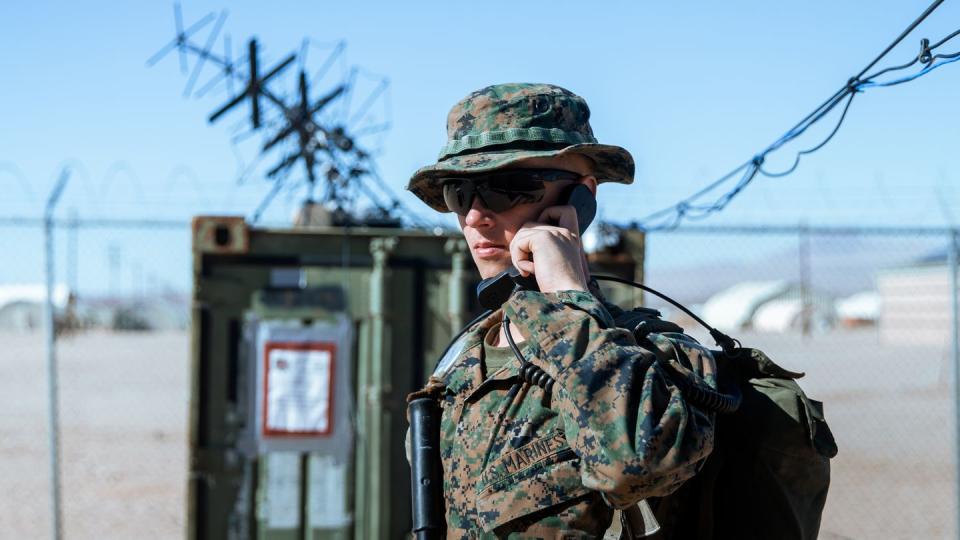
x=642, y=322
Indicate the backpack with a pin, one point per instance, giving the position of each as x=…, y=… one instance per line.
x=768, y=475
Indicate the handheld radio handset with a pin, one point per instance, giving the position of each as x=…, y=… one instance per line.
x=493, y=292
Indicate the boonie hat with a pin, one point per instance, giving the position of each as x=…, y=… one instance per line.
x=499, y=126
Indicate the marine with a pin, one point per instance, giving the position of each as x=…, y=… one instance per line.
x=552, y=416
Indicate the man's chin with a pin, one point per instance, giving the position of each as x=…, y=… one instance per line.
x=488, y=269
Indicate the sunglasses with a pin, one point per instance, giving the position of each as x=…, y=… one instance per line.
x=501, y=190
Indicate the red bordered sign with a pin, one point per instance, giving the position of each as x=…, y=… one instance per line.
x=298, y=389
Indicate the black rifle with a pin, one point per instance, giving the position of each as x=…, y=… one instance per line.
x=426, y=475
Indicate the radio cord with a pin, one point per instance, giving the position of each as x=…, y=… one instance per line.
x=697, y=394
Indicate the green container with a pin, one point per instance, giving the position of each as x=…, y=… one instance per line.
x=406, y=293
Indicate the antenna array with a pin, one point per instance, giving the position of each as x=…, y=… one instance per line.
x=323, y=131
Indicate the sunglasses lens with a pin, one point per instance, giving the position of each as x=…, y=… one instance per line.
x=496, y=201
x=500, y=191
x=459, y=196
x=503, y=192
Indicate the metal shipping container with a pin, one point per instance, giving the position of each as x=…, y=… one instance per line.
x=403, y=293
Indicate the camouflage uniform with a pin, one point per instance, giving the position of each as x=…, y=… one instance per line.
x=517, y=462
x=520, y=464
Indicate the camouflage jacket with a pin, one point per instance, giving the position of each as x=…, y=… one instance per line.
x=518, y=463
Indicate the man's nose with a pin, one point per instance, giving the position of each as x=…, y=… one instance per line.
x=478, y=215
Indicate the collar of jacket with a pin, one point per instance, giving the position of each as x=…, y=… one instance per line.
x=465, y=377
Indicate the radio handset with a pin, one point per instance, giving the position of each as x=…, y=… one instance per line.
x=493, y=292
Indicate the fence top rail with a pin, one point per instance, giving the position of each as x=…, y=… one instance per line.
x=811, y=229
x=98, y=223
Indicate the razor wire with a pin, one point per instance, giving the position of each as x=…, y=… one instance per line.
x=692, y=207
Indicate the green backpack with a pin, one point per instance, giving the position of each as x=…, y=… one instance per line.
x=769, y=472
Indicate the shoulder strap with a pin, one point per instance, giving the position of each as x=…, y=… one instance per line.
x=642, y=321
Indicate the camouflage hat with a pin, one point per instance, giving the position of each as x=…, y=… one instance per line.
x=501, y=125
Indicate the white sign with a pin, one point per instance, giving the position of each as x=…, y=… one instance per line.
x=281, y=505
x=298, y=389
x=327, y=505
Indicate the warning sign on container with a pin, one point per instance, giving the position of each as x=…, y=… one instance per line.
x=298, y=389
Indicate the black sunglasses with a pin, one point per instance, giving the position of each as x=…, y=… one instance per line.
x=500, y=190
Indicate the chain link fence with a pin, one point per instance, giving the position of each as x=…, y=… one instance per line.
x=122, y=304
x=866, y=314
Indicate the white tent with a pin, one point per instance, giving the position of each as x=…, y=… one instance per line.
x=21, y=305
x=33, y=293
x=785, y=314
x=862, y=306
x=733, y=308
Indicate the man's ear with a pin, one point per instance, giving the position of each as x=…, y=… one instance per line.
x=591, y=182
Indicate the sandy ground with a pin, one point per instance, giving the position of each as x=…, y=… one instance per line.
x=124, y=409
x=124, y=400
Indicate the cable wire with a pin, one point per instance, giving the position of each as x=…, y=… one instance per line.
x=689, y=208
x=802, y=153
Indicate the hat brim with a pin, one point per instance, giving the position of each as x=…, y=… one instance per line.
x=611, y=164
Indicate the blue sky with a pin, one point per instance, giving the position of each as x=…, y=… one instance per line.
x=691, y=89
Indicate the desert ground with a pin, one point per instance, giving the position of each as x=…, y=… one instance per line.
x=124, y=401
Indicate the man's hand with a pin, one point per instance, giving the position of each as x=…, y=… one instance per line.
x=551, y=252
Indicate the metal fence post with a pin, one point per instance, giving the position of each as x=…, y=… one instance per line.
x=953, y=260
x=53, y=402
